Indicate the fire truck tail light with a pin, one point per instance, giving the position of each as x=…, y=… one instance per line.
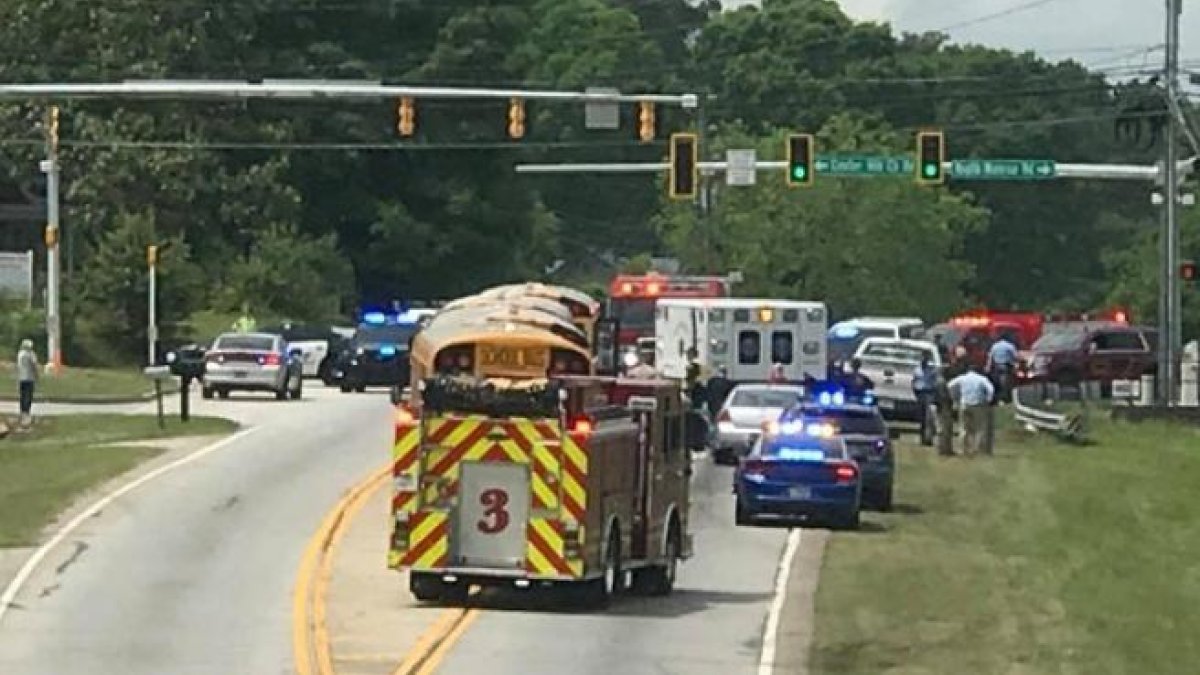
x=582, y=424
x=653, y=288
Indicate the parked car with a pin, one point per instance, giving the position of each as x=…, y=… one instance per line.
x=1100, y=352
x=740, y=419
x=798, y=476
x=318, y=346
x=252, y=362
x=890, y=363
x=867, y=436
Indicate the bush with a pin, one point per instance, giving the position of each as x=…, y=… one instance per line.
x=22, y=323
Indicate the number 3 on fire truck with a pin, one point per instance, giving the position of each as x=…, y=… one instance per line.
x=495, y=517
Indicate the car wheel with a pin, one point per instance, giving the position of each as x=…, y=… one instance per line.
x=884, y=501
x=360, y=388
x=741, y=514
x=346, y=389
x=281, y=394
x=850, y=520
x=206, y=392
x=298, y=390
x=325, y=372
x=223, y=393
x=425, y=587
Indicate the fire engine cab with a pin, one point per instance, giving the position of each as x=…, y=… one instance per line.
x=632, y=298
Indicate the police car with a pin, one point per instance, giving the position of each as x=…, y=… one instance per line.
x=796, y=473
x=377, y=354
x=828, y=411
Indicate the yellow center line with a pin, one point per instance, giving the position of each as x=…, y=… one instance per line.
x=429, y=652
x=309, y=629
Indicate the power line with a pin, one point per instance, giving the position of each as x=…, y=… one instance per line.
x=1023, y=7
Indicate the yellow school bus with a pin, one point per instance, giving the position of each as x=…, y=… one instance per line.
x=503, y=341
x=584, y=310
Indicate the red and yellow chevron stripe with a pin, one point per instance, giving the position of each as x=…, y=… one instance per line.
x=558, y=478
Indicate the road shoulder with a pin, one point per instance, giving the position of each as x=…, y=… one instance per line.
x=797, y=621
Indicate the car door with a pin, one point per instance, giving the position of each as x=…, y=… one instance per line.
x=1122, y=354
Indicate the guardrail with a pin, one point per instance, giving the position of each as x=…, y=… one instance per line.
x=1067, y=426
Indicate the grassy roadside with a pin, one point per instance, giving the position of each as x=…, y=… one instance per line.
x=1047, y=558
x=44, y=470
x=84, y=385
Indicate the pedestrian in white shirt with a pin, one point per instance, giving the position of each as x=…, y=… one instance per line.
x=27, y=375
x=973, y=393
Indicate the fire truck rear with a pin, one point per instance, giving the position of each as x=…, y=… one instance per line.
x=576, y=481
x=631, y=300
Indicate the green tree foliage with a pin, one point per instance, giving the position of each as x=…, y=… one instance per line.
x=259, y=207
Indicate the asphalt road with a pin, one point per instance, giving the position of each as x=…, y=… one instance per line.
x=713, y=623
x=193, y=572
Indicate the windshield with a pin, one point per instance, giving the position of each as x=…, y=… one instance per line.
x=634, y=312
x=842, y=345
x=1058, y=341
x=896, y=353
x=765, y=398
x=848, y=420
x=253, y=343
x=396, y=335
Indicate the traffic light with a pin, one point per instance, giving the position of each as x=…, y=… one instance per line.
x=406, y=115
x=685, y=166
x=1187, y=271
x=516, y=118
x=800, y=152
x=931, y=153
x=646, y=121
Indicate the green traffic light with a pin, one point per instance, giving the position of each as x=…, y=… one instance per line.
x=931, y=171
x=799, y=172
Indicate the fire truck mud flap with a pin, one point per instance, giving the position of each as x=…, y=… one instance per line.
x=493, y=513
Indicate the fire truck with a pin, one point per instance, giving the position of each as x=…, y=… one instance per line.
x=509, y=471
x=632, y=299
x=976, y=330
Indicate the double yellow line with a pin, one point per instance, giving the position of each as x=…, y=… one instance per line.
x=311, y=647
x=310, y=631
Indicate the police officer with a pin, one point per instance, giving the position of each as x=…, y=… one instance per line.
x=1001, y=362
x=245, y=323
x=924, y=386
x=719, y=387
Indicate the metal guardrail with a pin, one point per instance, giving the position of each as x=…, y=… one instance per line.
x=1068, y=426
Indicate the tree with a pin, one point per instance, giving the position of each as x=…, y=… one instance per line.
x=290, y=275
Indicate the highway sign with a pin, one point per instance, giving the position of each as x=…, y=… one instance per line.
x=864, y=165
x=1003, y=169
x=740, y=167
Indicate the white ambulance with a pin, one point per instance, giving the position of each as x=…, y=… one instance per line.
x=745, y=336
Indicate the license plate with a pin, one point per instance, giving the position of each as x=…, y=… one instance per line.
x=799, y=492
x=887, y=403
x=240, y=374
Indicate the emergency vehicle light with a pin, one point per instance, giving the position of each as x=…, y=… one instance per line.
x=387, y=350
x=845, y=332
x=831, y=398
x=766, y=315
x=820, y=430
x=374, y=318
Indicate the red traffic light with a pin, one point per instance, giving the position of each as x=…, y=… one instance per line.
x=1187, y=270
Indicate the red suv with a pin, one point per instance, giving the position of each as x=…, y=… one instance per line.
x=1072, y=353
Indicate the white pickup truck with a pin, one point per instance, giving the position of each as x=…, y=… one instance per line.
x=889, y=363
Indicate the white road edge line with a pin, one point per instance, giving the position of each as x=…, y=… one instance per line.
x=26, y=571
x=766, y=660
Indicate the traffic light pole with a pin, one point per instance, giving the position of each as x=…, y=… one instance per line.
x=1170, y=334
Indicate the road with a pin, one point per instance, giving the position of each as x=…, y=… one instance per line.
x=193, y=572
x=713, y=623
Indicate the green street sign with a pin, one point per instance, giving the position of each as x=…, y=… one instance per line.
x=1003, y=169
x=864, y=165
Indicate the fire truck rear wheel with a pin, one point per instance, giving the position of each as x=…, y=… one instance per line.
x=600, y=592
x=660, y=579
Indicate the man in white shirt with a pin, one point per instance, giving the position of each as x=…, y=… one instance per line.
x=973, y=393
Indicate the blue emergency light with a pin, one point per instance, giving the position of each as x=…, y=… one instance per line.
x=844, y=331
x=374, y=318
x=387, y=350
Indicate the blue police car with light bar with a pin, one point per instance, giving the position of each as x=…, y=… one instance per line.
x=830, y=411
x=799, y=470
x=377, y=354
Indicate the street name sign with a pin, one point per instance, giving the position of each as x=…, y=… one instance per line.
x=864, y=165
x=1003, y=169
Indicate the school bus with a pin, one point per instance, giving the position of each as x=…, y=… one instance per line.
x=498, y=340
x=584, y=310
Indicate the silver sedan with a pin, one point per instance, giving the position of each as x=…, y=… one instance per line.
x=741, y=418
x=252, y=362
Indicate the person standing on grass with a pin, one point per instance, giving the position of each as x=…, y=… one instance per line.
x=27, y=374
x=974, y=394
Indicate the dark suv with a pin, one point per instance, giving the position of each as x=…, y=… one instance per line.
x=1102, y=352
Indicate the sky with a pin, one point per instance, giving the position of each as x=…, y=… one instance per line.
x=1111, y=35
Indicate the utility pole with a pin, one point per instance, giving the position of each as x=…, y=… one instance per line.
x=1170, y=334
x=152, y=306
x=50, y=167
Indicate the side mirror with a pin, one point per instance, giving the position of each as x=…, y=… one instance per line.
x=894, y=434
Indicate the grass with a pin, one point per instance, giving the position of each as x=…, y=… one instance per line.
x=81, y=385
x=63, y=456
x=1045, y=559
